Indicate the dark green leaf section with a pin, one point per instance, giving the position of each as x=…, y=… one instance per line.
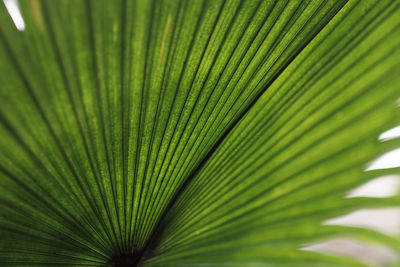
x=108, y=107
x=288, y=163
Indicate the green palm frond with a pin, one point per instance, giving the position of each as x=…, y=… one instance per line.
x=192, y=132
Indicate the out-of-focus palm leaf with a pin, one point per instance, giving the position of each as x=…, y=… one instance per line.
x=188, y=133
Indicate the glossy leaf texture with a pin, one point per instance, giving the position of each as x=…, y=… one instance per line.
x=191, y=133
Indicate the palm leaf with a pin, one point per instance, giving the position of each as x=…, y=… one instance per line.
x=188, y=133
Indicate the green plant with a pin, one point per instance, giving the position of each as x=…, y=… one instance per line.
x=191, y=133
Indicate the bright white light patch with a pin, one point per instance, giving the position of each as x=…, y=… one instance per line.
x=390, y=134
x=386, y=161
x=15, y=13
x=375, y=254
x=386, y=221
x=385, y=186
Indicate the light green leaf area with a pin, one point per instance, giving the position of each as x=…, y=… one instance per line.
x=191, y=132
